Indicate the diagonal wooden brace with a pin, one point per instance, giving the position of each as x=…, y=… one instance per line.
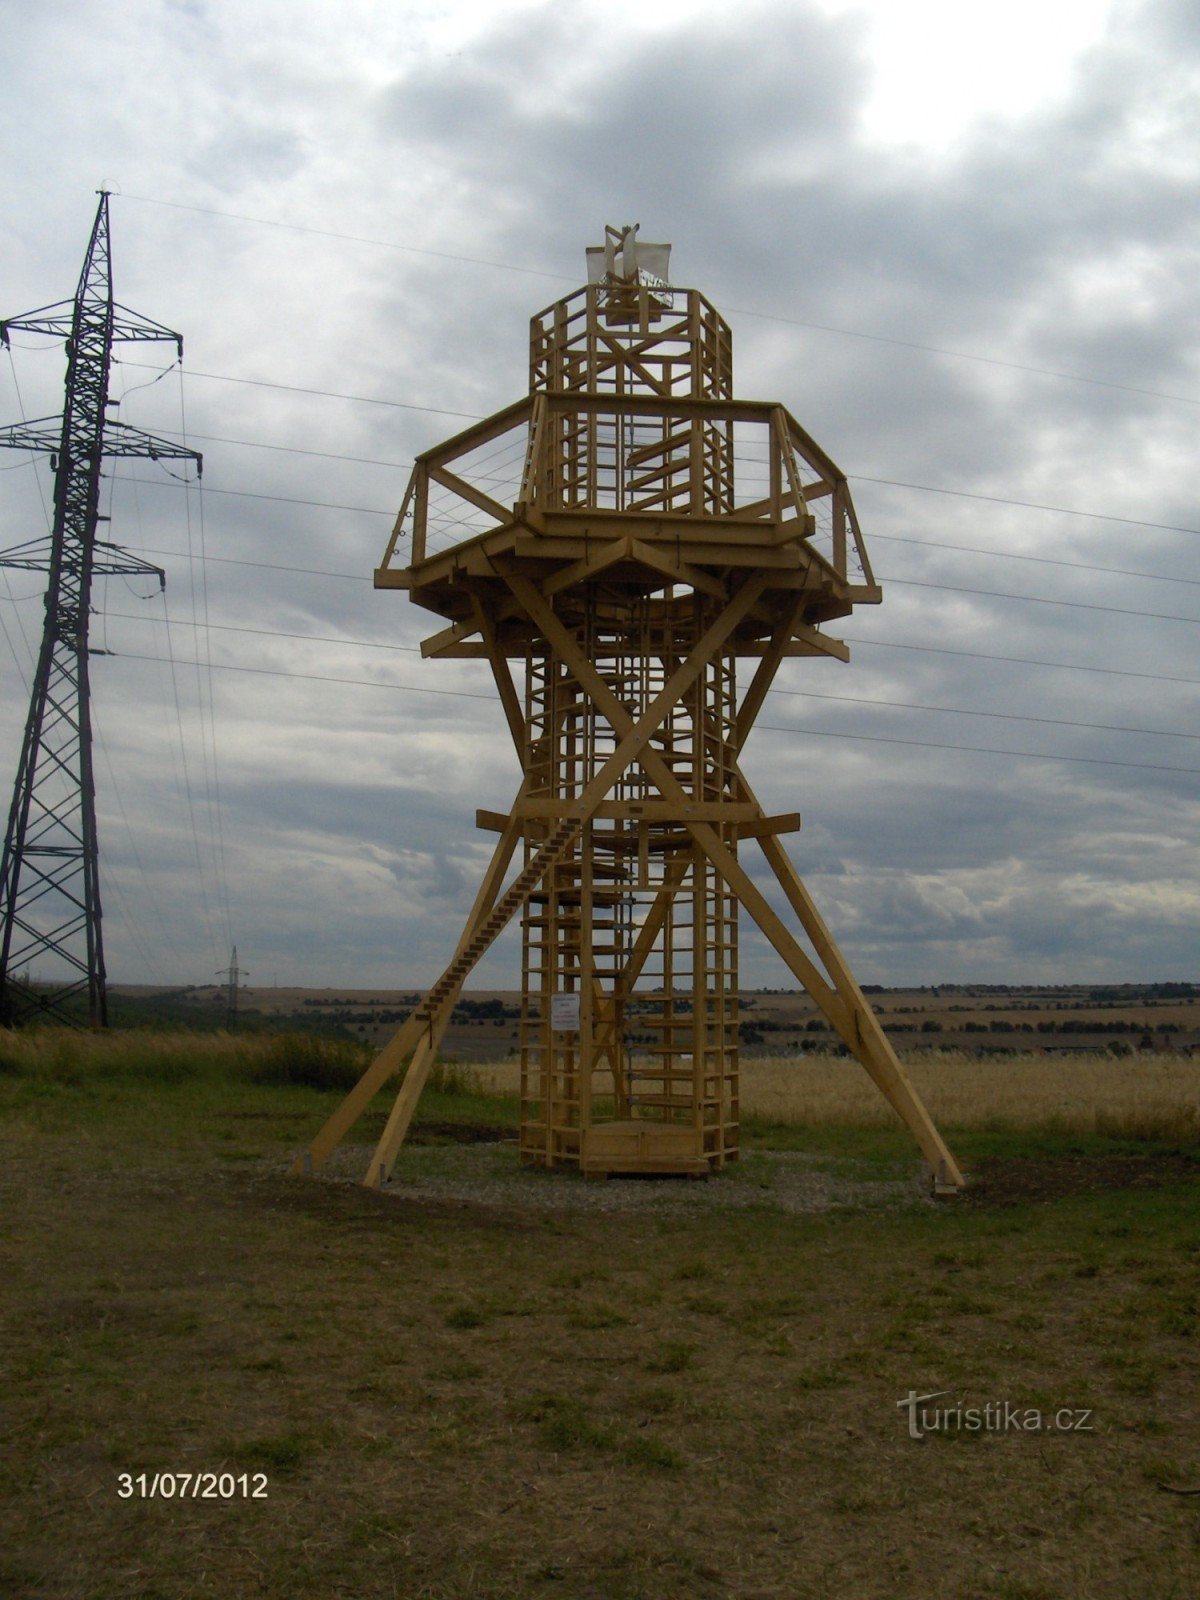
x=844, y=1007
x=489, y=916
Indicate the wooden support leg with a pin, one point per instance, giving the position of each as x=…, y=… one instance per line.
x=408, y=1036
x=865, y=1038
x=380, y=1168
x=388, y=1061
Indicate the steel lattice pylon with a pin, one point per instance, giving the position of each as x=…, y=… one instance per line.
x=49, y=876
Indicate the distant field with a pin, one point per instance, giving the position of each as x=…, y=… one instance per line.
x=976, y=1020
x=1149, y=1093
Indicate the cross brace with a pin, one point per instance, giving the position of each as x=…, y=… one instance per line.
x=835, y=990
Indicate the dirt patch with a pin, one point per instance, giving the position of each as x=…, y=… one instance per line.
x=459, y=1133
x=485, y=1173
x=1020, y=1180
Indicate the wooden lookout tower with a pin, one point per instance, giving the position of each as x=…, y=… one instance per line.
x=614, y=545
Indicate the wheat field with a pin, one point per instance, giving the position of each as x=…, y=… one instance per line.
x=1147, y=1095
x=1153, y=1094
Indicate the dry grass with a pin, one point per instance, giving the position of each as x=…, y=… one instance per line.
x=1148, y=1095
x=455, y=1401
x=65, y=1055
x=1152, y=1095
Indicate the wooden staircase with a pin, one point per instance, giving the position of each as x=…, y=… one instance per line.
x=514, y=897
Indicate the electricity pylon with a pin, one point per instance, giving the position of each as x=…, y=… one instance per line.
x=49, y=874
x=233, y=974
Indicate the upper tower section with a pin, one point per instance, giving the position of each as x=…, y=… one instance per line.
x=630, y=332
x=629, y=467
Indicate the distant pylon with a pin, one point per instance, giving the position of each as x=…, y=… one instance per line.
x=49, y=873
x=232, y=975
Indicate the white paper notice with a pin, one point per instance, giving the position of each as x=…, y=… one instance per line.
x=564, y=1013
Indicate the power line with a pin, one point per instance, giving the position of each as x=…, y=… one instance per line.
x=299, y=450
x=1026, y=505
x=870, y=738
x=913, y=583
x=801, y=694
x=854, y=477
x=278, y=633
x=969, y=711
x=1041, y=561
x=351, y=238
x=857, y=477
x=265, y=566
x=763, y=316
x=322, y=394
x=967, y=355
x=1038, y=600
x=315, y=677
x=254, y=494
x=979, y=749
x=879, y=644
x=1016, y=661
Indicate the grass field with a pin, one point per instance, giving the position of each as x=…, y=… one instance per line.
x=469, y=1386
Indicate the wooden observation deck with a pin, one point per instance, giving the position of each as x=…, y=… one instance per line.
x=613, y=544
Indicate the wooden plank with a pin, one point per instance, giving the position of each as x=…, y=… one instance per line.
x=865, y=1036
x=684, y=526
x=605, y=553
x=420, y=480
x=439, y=642
x=398, y=525
x=379, y=1168
x=763, y=827
x=811, y=643
x=678, y=571
x=468, y=491
x=509, y=700
x=479, y=433
x=649, y=810
x=764, y=674
x=580, y=542
x=657, y=405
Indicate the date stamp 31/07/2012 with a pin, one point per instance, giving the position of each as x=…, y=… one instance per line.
x=192, y=1486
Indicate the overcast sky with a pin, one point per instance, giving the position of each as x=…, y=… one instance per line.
x=960, y=244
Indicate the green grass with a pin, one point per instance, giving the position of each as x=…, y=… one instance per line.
x=452, y=1399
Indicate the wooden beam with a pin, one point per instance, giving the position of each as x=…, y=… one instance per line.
x=764, y=673
x=407, y=1036
x=509, y=700
x=398, y=525
x=604, y=553
x=478, y=433
x=764, y=827
x=678, y=571
x=581, y=543
x=379, y=1169
x=647, y=810
x=468, y=491
x=671, y=789
x=447, y=637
